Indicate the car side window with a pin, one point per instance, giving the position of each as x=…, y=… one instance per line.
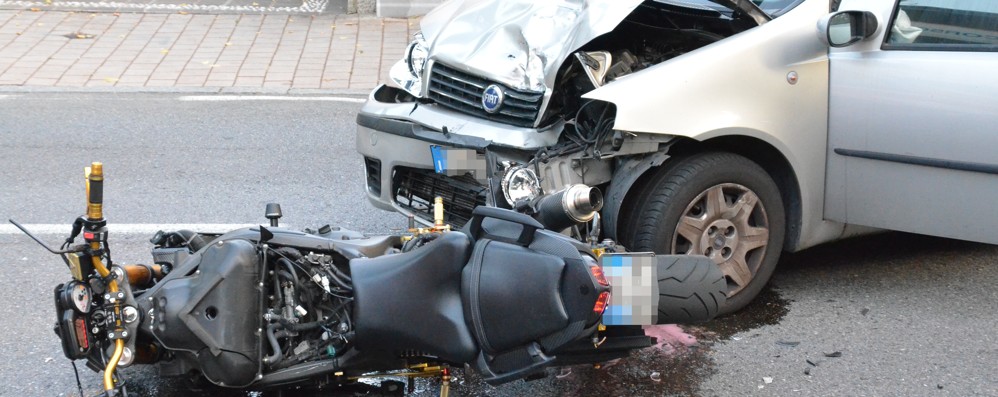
x=955, y=25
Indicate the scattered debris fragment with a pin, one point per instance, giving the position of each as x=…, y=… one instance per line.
x=656, y=376
x=807, y=371
x=79, y=35
x=787, y=344
x=813, y=364
x=767, y=379
x=833, y=354
x=864, y=311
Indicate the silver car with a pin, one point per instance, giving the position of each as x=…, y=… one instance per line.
x=734, y=129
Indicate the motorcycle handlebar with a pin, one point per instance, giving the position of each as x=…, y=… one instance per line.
x=95, y=191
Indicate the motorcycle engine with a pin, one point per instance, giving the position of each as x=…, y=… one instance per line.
x=237, y=313
x=308, y=317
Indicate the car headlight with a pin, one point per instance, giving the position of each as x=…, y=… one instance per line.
x=416, y=55
x=520, y=183
x=408, y=72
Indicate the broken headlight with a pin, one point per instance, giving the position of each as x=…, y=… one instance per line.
x=416, y=55
x=408, y=72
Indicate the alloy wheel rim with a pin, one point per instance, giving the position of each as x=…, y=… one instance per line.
x=728, y=224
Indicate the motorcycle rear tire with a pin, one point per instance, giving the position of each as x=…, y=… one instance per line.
x=691, y=289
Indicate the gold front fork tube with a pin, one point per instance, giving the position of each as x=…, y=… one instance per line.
x=95, y=213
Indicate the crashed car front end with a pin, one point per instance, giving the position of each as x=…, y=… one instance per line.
x=486, y=106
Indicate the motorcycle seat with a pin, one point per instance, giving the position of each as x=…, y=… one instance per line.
x=411, y=302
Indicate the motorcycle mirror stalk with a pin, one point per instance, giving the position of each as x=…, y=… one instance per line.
x=42, y=243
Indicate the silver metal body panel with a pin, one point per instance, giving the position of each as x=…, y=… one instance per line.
x=520, y=43
x=435, y=117
x=393, y=151
x=738, y=86
x=925, y=105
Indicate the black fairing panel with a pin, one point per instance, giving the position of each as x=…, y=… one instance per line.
x=211, y=311
x=412, y=301
x=523, y=303
x=518, y=294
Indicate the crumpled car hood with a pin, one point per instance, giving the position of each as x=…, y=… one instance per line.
x=519, y=43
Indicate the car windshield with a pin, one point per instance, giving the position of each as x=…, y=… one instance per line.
x=772, y=7
x=776, y=7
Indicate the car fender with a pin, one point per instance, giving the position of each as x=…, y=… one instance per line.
x=770, y=83
x=624, y=176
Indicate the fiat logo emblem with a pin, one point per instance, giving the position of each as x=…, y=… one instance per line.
x=492, y=98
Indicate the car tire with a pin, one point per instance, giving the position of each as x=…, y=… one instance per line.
x=671, y=214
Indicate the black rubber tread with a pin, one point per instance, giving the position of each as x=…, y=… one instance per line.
x=690, y=289
x=666, y=193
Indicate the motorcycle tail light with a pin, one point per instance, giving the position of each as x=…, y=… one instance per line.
x=602, y=302
x=598, y=274
x=81, y=334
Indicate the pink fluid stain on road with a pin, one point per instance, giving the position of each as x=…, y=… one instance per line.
x=670, y=337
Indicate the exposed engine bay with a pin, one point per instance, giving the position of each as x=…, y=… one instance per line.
x=654, y=32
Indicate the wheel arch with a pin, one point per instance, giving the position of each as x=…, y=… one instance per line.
x=758, y=151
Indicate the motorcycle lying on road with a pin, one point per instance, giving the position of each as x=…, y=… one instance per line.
x=269, y=307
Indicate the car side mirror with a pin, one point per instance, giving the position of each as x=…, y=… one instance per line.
x=844, y=28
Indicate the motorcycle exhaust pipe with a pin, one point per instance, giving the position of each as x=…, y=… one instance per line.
x=572, y=205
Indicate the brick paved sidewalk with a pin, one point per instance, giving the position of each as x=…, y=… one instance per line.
x=159, y=52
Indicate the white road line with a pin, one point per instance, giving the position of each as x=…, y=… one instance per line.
x=214, y=98
x=126, y=228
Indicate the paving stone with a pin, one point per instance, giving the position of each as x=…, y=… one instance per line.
x=177, y=50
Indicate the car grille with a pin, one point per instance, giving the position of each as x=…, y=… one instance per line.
x=373, y=169
x=415, y=190
x=463, y=92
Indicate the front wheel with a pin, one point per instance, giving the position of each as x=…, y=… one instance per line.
x=720, y=205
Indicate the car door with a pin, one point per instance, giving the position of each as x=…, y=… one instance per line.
x=913, y=120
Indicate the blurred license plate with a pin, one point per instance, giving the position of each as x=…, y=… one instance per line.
x=634, y=288
x=457, y=162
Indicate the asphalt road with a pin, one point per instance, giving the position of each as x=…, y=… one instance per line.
x=901, y=315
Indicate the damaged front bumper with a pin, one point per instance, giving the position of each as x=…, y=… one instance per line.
x=395, y=136
x=498, y=82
